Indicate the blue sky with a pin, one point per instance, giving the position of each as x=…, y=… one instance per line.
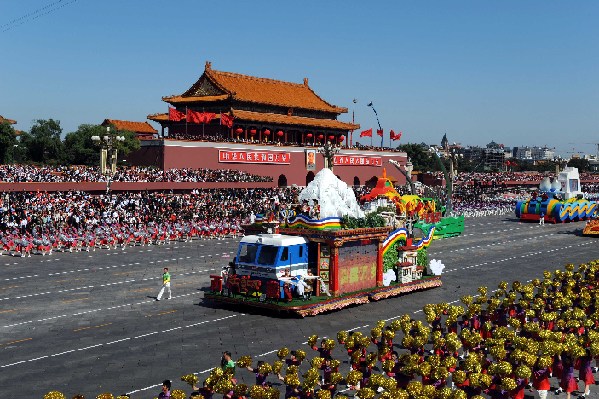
x=517, y=72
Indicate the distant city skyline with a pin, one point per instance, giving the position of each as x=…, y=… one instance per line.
x=517, y=73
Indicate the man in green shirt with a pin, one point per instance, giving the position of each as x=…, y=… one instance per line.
x=166, y=284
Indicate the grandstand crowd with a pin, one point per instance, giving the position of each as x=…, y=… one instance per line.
x=61, y=174
x=45, y=222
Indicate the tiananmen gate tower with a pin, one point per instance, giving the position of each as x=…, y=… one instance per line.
x=263, y=126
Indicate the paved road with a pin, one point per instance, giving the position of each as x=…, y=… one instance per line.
x=88, y=322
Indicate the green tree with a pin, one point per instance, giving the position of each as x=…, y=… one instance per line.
x=43, y=142
x=8, y=141
x=130, y=144
x=80, y=149
x=419, y=155
x=580, y=163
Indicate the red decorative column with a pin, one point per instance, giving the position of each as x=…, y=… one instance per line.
x=379, y=263
x=334, y=267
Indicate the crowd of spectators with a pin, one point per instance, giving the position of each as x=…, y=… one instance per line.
x=488, y=178
x=61, y=174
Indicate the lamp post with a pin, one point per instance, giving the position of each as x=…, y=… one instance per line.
x=453, y=156
x=378, y=122
x=329, y=150
x=108, y=153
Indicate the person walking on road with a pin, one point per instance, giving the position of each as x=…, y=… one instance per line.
x=542, y=218
x=166, y=284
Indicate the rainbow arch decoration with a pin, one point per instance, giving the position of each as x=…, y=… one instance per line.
x=402, y=234
x=305, y=222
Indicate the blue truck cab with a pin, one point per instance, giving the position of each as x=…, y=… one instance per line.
x=266, y=256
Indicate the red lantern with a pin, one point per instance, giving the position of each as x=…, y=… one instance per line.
x=280, y=133
x=239, y=130
x=253, y=132
x=309, y=135
x=341, y=138
x=320, y=136
x=331, y=137
x=267, y=132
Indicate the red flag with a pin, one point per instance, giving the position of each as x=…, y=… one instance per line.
x=395, y=136
x=366, y=133
x=194, y=117
x=199, y=117
x=174, y=115
x=379, y=132
x=207, y=117
x=226, y=120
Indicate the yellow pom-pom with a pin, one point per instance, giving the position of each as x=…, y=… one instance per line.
x=240, y=389
x=328, y=344
x=191, y=379
x=342, y=337
x=508, y=383
x=244, y=361
x=353, y=377
x=365, y=393
x=106, y=395
x=312, y=340
x=178, y=394
x=282, y=353
x=277, y=366
x=265, y=368
x=459, y=376
x=317, y=362
x=414, y=388
x=323, y=394
x=54, y=395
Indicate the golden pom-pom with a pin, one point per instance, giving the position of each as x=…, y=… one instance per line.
x=272, y=393
x=317, y=362
x=458, y=394
x=216, y=373
x=336, y=378
x=459, y=376
x=328, y=344
x=389, y=334
x=127, y=397
x=277, y=366
x=312, y=340
x=291, y=380
x=335, y=364
x=508, y=383
x=365, y=393
x=478, y=397
x=265, y=368
x=106, y=395
x=223, y=386
x=389, y=384
x=178, y=394
x=323, y=394
x=300, y=355
x=282, y=353
x=380, y=324
x=257, y=391
x=376, y=333
x=54, y=395
x=523, y=371
x=240, y=389
x=388, y=365
x=353, y=378
x=244, y=361
x=443, y=393
x=467, y=300
x=191, y=379
x=428, y=391
x=414, y=388
x=342, y=337
x=395, y=325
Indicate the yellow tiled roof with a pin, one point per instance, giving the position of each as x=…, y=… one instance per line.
x=136, y=127
x=258, y=90
x=5, y=120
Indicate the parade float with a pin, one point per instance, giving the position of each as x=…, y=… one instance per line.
x=411, y=210
x=591, y=228
x=558, y=201
x=330, y=257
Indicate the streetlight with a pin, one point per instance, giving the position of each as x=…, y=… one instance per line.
x=377, y=121
x=329, y=150
x=108, y=153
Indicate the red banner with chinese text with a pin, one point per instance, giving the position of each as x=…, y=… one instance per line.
x=353, y=160
x=280, y=158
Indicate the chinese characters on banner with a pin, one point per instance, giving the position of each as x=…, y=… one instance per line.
x=281, y=158
x=352, y=160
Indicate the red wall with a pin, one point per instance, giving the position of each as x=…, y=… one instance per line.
x=188, y=155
